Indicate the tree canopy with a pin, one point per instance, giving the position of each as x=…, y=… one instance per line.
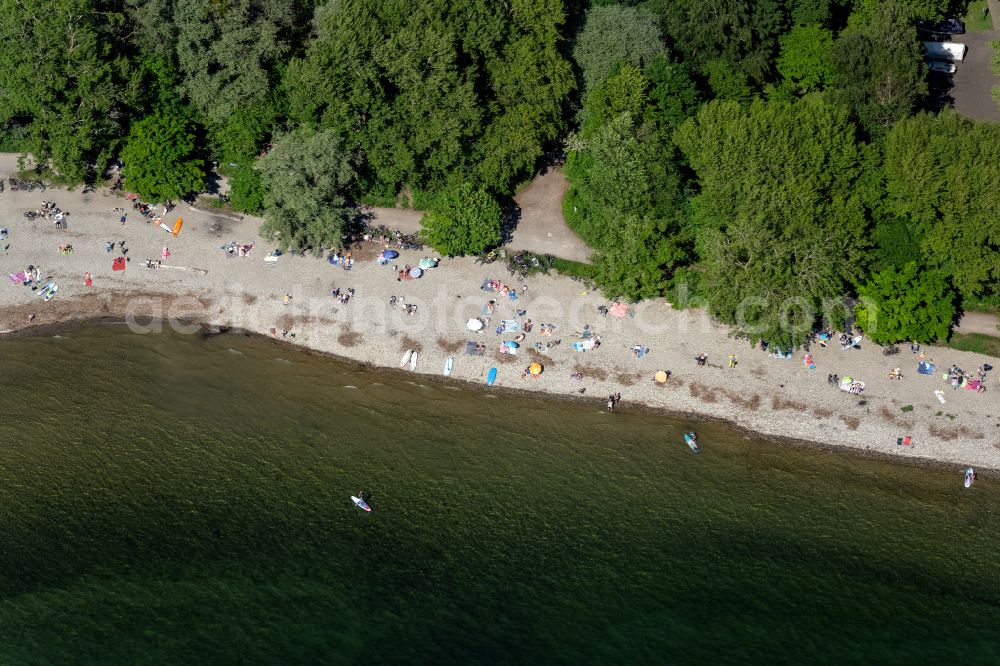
x=62, y=81
x=805, y=57
x=780, y=223
x=616, y=34
x=306, y=178
x=878, y=68
x=940, y=183
x=160, y=160
x=464, y=220
x=906, y=304
x=423, y=91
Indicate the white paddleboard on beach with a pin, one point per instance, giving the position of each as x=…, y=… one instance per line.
x=448, y=365
x=413, y=361
x=940, y=396
x=406, y=358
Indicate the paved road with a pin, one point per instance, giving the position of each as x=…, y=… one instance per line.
x=542, y=227
x=979, y=322
x=974, y=80
x=405, y=220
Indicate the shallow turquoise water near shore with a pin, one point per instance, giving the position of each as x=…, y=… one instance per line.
x=177, y=499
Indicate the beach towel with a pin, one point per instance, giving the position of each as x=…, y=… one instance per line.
x=17, y=278
x=584, y=345
x=118, y=264
x=471, y=349
x=485, y=286
x=510, y=326
x=973, y=385
x=925, y=368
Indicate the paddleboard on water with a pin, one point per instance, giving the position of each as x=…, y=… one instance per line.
x=406, y=358
x=448, y=365
x=970, y=477
x=691, y=439
x=50, y=293
x=413, y=361
x=361, y=504
x=492, y=377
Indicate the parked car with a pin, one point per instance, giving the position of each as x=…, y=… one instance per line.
x=946, y=51
x=943, y=67
x=950, y=26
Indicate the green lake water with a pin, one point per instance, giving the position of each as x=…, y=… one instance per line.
x=182, y=499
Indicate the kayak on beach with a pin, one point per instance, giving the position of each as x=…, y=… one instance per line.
x=413, y=361
x=448, y=365
x=492, y=377
x=406, y=358
x=361, y=504
x=970, y=477
x=691, y=439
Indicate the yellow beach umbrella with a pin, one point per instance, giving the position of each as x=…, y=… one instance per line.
x=535, y=368
x=661, y=377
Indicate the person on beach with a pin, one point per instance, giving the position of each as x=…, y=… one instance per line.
x=87, y=282
x=733, y=360
x=165, y=253
x=122, y=219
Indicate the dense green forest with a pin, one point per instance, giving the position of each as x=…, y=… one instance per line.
x=761, y=157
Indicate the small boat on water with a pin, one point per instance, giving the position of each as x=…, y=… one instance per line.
x=970, y=477
x=691, y=439
x=361, y=504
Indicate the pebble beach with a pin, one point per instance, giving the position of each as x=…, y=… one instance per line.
x=290, y=300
